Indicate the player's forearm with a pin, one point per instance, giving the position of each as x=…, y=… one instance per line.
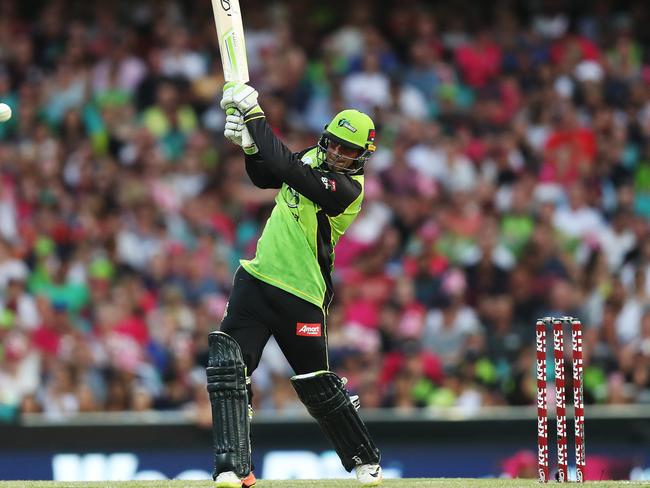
x=259, y=173
x=276, y=156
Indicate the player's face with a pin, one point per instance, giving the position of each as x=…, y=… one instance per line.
x=340, y=156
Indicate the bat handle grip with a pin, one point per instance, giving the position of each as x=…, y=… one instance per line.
x=231, y=111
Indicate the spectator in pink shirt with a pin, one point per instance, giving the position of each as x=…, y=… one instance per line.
x=479, y=61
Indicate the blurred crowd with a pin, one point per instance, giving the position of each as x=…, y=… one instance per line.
x=511, y=181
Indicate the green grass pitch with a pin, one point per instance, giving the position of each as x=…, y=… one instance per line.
x=401, y=483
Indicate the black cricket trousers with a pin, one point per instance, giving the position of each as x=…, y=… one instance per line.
x=257, y=310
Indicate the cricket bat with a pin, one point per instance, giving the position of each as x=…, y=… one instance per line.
x=230, y=30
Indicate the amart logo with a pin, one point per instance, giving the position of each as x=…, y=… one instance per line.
x=309, y=330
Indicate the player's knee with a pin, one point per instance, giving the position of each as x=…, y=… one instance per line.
x=226, y=368
x=320, y=391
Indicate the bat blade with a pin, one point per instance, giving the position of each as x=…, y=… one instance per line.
x=232, y=46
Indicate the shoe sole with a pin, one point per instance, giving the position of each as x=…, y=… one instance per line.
x=227, y=484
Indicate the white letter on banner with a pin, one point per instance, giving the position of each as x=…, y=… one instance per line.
x=286, y=465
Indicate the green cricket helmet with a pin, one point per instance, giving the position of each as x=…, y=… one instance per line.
x=354, y=130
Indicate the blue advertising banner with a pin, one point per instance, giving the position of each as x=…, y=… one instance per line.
x=133, y=448
x=400, y=461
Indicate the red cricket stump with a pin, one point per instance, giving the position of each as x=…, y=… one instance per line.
x=578, y=399
x=542, y=418
x=560, y=397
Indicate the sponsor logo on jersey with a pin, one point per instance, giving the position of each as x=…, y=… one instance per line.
x=328, y=183
x=308, y=330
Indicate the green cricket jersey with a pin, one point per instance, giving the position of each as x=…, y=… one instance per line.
x=312, y=210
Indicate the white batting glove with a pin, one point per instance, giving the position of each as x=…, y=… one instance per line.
x=247, y=142
x=239, y=96
x=234, y=127
x=227, y=102
x=236, y=131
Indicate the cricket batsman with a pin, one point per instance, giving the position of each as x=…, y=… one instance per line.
x=285, y=291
